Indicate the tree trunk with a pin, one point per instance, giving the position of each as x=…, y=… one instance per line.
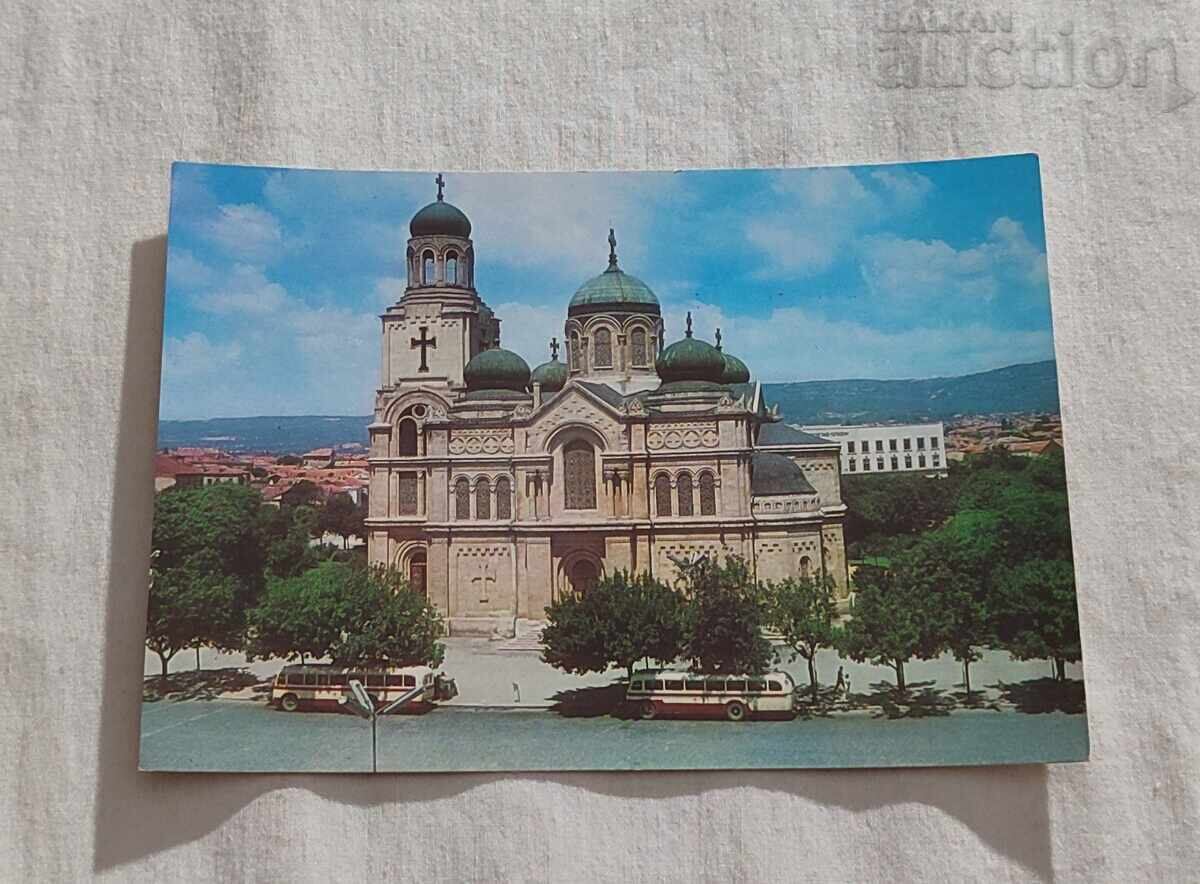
x=197, y=658
x=1060, y=669
x=812, y=675
x=629, y=670
x=164, y=659
x=967, y=676
x=898, y=665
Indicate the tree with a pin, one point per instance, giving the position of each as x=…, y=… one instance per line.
x=187, y=608
x=889, y=625
x=342, y=516
x=291, y=553
x=301, y=616
x=622, y=619
x=723, y=617
x=803, y=611
x=385, y=622
x=1037, y=616
x=207, y=572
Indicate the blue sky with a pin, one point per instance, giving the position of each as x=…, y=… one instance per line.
x=276, y=277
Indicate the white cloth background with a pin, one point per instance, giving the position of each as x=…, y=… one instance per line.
x=98, y=98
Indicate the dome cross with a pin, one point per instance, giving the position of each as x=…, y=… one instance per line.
x=688, y=333
x=554, y=348
x=612, y=249
x=441, y=183
x=718, y=337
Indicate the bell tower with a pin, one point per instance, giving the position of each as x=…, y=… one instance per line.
x=431, y=333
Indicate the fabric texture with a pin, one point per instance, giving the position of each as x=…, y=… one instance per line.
x=97, y=99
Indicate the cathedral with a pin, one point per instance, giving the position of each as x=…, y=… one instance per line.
x=495, y=488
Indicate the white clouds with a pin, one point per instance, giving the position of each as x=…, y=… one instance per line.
x=246, y=231
x=186, y=271
x=822, y=211
x=194, y=355
x=245, y=292
x=792, y=344
x=914, y=270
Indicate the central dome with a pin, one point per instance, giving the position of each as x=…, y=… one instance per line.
x=496, y=369
x=614, y=290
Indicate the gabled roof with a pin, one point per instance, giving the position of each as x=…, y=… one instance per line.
x=782, y=434
x=604, y=392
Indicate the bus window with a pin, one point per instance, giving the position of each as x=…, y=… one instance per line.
x=715, y=685
x=281, y=679
x=395, y=681
x=410, y=681
x=353, y=676
x=695, y=685
x=322, y=679
x=756, y=685
x=635, y=685
x=295, y=679
x=674, y=684
x=774, y=685
x=310, y=679
x=736, y=684
x=374, y=679
x=658, y=684
x=337, y=678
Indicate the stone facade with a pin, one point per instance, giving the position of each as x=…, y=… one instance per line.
x=495, y=501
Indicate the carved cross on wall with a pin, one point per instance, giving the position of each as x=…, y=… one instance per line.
x=482, y=580
x=425, y=343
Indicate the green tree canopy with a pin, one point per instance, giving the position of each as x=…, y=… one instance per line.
x=1036, y=612
x=803, y=611
x=386, y=623
x=891, y=623
x=300, y=616
x=724, y=617
x=622, y=619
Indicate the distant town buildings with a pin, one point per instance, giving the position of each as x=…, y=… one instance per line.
x=887, y=448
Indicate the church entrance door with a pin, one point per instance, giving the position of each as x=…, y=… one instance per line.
x=583, y=576
x=416, y=573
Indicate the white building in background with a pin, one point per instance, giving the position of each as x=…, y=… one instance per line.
x=887, y=448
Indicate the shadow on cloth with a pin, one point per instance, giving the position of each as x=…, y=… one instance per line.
x=142, y=814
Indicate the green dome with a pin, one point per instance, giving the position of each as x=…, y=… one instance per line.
x=614, y=290
x=551, y=375
x=690, y=360
x=736, y=371
x=440, y=219
x=497, y=369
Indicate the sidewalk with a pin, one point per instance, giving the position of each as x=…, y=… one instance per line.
x=488, y=677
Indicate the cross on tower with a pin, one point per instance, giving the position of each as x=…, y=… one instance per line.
x=554, y=349
x=425, y=343
x=718, y=339
x=440, y=182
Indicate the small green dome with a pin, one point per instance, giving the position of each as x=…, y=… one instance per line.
x=551, y=375
x=736, y=371
x=497, y=369
x=690, y=360
x=440, y=219
x=613, y=290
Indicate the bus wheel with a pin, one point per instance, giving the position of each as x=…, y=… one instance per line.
x=736, y=711
x=648, y=710
x=289, y=702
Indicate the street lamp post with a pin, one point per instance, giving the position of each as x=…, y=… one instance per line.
x=360, y=703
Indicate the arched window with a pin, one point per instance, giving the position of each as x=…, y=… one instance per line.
x=406, y=444
x=637, y=347
x=462, y=499
x=683, y=487
x=483, y=499
x=602, y=348
x=708, y=495
x=662, y=494
x=805, y=567
x=427, y=275
x=579, y=471
x=503, y=498
x=451, y=268
x=411, y=256
x=573, y=352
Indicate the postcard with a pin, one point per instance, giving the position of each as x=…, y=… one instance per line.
x=610, y=471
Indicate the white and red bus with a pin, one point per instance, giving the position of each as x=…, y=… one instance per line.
x=322, y=686
x=734, y=697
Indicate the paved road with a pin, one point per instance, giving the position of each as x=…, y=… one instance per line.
x=238, y=735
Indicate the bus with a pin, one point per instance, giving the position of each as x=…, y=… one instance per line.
x=733, y=697
x=320, y=686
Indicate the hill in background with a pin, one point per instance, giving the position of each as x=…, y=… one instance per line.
x=1032, y=387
